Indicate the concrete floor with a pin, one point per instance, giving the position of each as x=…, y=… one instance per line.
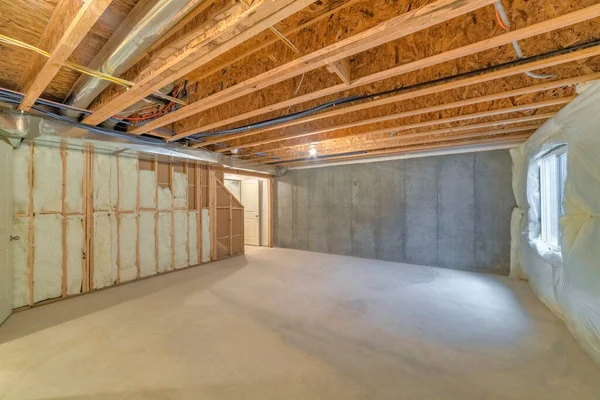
x=287, y=324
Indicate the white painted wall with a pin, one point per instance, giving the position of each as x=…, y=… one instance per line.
x=264, y=204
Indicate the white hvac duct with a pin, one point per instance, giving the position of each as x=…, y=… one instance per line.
x=150, y=19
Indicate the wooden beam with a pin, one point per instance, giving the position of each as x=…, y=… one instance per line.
x=64, y=35
x=342, y=69
x=379, y=140
x=487, y=44
x=242, y=172
x=489, y=113
x=404, y=140
x=392, y=29
x=513, y=140
x=221, y=34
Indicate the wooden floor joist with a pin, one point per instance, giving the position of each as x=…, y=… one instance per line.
x=212, y=39
x=489, y=113
x=460, y=83
x=70, y=23
x=537, y=29
x=392, y=29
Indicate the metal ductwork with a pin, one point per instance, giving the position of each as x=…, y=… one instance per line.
x=17, y=126
x=148, y=21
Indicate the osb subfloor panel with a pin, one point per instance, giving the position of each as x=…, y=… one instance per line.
x=286, y=324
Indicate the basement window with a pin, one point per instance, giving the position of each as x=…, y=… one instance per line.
x=553, y=173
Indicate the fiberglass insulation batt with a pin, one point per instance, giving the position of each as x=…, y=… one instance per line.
x=105, y=182
x=128, y=182
x=105, y=249
x=47, y=259
x=180, y=187
x=147, y=243
x=20, y=262
x=180, y=220
x=74, y=253
x=127, y=247
x=74, y=181
x=147, y=189
x=164, y=241
x=205, y=235
x=193, y=237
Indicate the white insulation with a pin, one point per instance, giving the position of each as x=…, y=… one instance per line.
x=164, y=242
x=147, y=243
x=105, y=182
x=147, y=189
x=47, y=259
x=21, y=179
x=20, y=262
x=127, y=247
x=193, y=237
x=75, y=258
x=180, y=231
x=128, y=181
x=105, y=249
x=568, y=282
x=205, y=236
x=180, y=187
x=47, y=179
x=165, y=199
x=74, y=194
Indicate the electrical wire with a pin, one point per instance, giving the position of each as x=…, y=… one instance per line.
x=300, y=114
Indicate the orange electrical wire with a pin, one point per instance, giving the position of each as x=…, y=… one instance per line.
x=500, y=20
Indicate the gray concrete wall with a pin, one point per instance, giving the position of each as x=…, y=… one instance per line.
x=448, y=211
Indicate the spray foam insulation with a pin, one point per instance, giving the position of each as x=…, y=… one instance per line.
x=180, y=186
x=147, y=243
x=205, y=235
x=193, y=237
x=74, y=254
x=47, y=179
x=164, y=241
x=180, y=231
x=105, y=249
x=165, y=200
x=74, y=181
x=147, y=189
x=21, y=179
x=20, y=262
x=127, y=247
x=105, y=182
x=128, y=183
x=47, y=259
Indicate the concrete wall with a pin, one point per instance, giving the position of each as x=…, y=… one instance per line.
x=448, y=211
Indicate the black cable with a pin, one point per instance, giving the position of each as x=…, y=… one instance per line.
x=402, y=89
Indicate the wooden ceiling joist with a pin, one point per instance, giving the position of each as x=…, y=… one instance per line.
x=392, y=29
x=409, y=139
x=211, y=40
x=69, y=24
x=466, y=117
x=342, y=69
x=507, y=38
x=453, y=84
x=508, y=140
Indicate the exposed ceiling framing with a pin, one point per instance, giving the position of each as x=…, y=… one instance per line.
x=270, y=80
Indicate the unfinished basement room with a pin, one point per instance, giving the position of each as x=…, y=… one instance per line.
x=300, y=199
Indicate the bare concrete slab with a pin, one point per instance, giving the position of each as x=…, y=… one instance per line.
x=290, y=324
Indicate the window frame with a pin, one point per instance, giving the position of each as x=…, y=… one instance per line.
x=560, y=177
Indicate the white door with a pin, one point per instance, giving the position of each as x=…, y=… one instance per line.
x=251, y=205
x=5, y=230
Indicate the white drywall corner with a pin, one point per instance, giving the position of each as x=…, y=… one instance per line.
x=180, y=231
x=128, y=183
x=164, y=242
x=205, y=236
x=105, y=249
x=21, y=179
x=127, y=247
x=180, y=187
x=74, y=254
x=105, y=182
x=165, y=200
x=147, y=189
x=47, y=260
x=20, y=262
x=74, y=181
x=193, y=237
x=147, y=244
x=47, y=179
